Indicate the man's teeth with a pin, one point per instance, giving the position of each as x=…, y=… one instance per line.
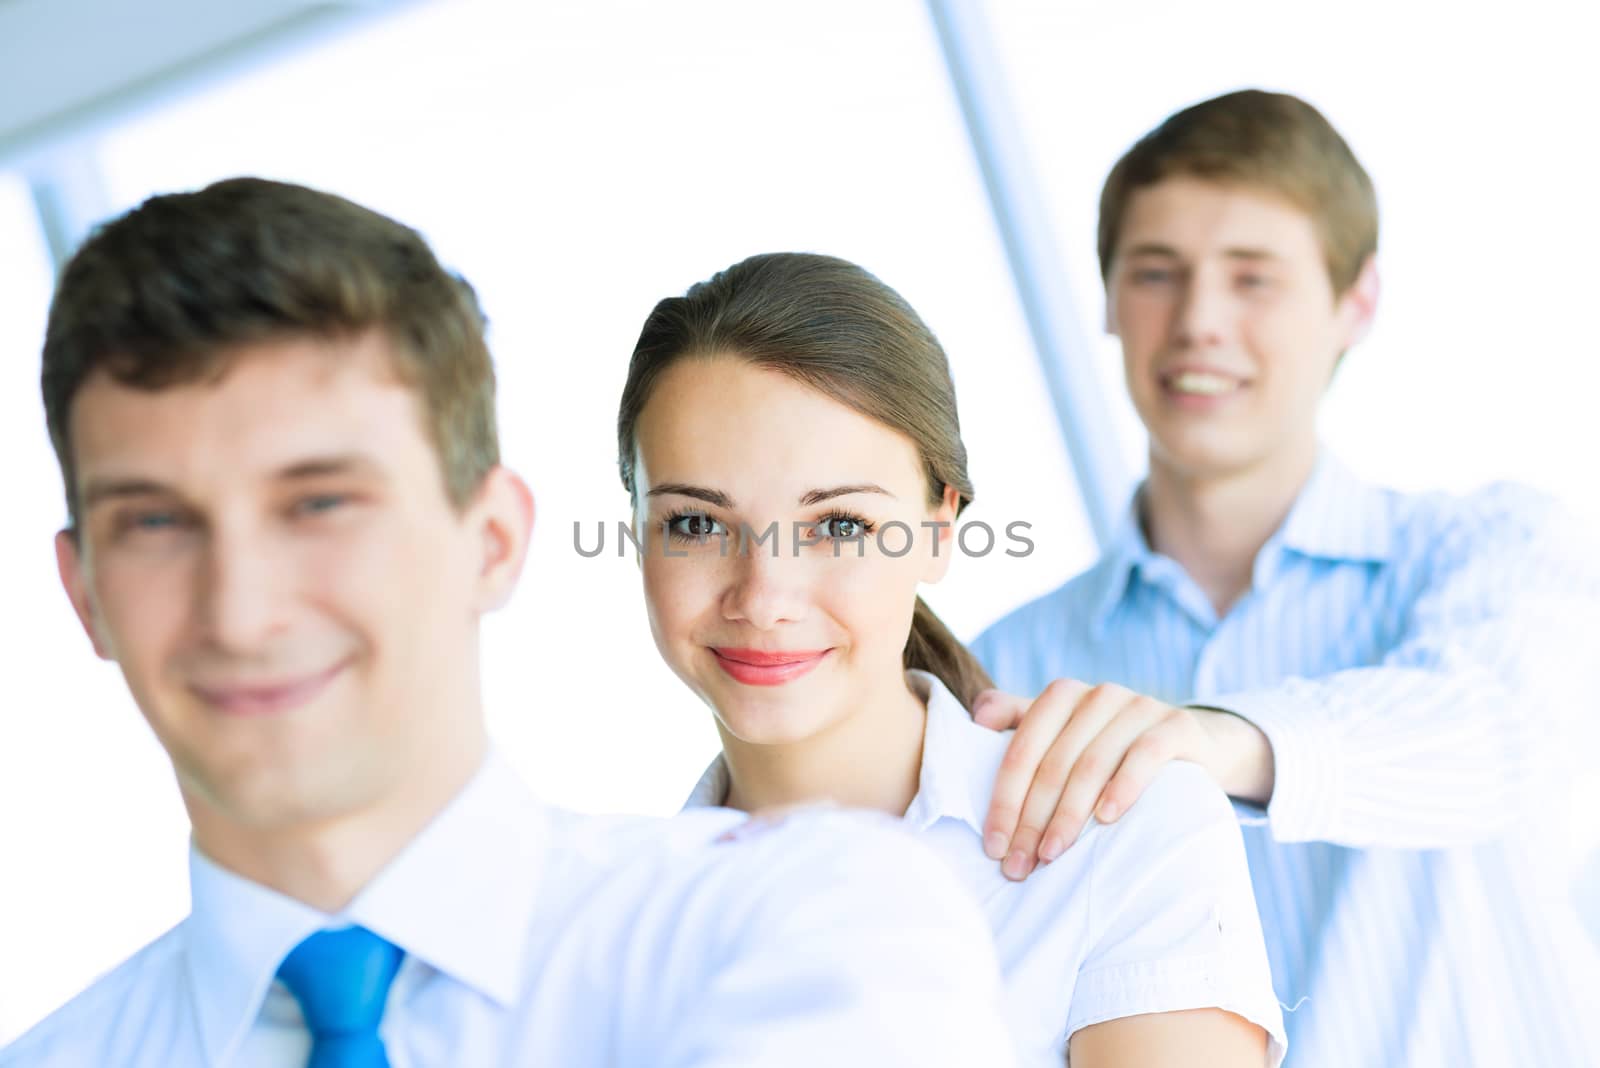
x=1206, y=385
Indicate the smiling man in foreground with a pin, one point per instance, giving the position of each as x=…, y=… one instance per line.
x=274, y=413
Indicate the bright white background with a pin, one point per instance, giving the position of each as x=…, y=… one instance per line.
x=580, y=161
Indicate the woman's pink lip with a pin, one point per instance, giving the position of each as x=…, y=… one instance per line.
x=756, y=668
x=268, y=700
x=764, y=658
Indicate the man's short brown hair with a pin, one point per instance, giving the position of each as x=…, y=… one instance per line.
x=1271, y=142
x=166, y=294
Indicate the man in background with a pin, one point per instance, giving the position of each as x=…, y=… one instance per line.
x=1383, y=680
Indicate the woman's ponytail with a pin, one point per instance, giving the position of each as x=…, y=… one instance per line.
x=932, y=648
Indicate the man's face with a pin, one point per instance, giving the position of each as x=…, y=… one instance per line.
x=273, y=562
x=1229, y=325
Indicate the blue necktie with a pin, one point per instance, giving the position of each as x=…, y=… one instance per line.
x=341, y=980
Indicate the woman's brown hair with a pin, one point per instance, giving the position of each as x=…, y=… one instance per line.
x=836, y=328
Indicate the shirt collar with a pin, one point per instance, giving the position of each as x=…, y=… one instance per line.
x=1339, y=517
x=460, y=897
x=959, y=762
x=237, y=934
x=1126, y=552
x=712, y=789
x=1336, y=516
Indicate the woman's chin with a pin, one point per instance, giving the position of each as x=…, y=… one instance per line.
x=767, y=721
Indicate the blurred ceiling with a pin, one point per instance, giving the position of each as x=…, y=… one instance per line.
x=69, y=67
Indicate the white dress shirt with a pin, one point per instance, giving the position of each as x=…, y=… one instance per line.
x=1152, y=913
x=1416, y=662
x=536, y=936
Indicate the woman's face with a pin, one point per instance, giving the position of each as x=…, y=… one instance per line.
x=782, y=636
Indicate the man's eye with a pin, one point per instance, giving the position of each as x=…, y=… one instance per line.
x=319, y=504
x=1253, y=281
x=693, y=526
x=149, y=522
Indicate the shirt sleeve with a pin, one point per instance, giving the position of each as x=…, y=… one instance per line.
x=1172, y=919
x=1458, y=731
x=855, y=946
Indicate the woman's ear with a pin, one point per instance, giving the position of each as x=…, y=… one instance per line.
x=941, y=530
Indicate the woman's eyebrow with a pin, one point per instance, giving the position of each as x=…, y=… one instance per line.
x=722, y=500
x=817, y=496
x=699, y=493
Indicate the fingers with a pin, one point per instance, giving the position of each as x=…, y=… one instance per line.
x=1167, y=741
x=1095, y=711
x=1040, y=727
x=998, y=710
x=1102, y=762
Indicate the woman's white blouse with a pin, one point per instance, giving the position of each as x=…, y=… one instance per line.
x=1153, y=913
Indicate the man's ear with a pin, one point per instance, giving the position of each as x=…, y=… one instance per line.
x=70, y=566
x=943, y=535
x=1359, y=304
x=506, y=513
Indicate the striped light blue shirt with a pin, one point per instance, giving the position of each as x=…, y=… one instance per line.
x=1416, y=663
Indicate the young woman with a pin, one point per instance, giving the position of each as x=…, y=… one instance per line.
x=788, y=434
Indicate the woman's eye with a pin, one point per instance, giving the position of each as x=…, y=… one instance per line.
x=842, y=528
x=694, y=526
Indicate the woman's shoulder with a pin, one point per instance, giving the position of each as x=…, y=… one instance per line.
x=1172, y=919
x=1181, y=803
x=1184, y=787
x=1183, y=827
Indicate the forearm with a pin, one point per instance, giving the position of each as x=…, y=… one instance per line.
x=1394, y=757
